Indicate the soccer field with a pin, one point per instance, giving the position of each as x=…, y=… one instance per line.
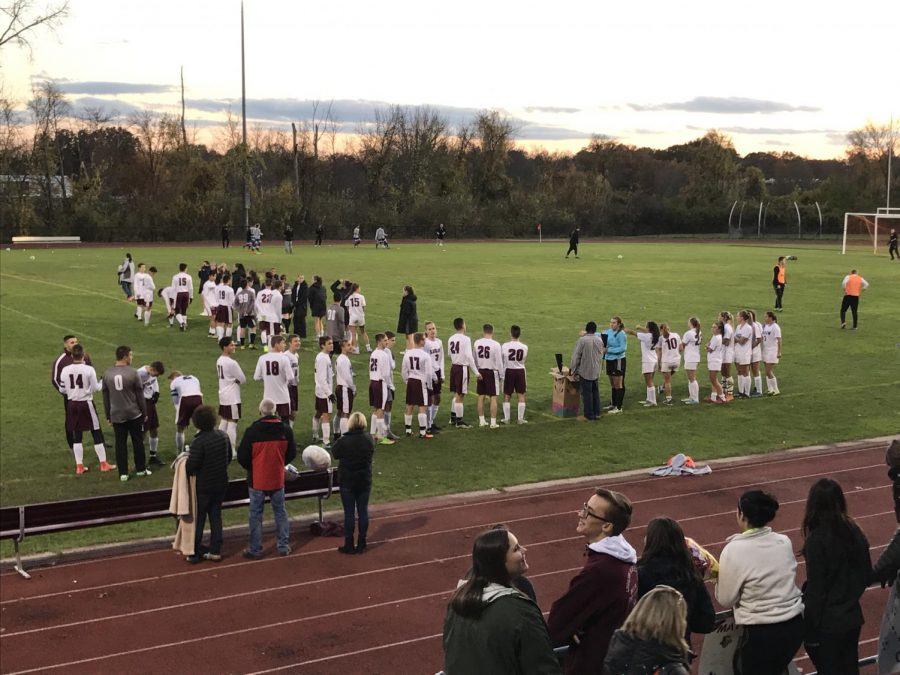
x=835, y=384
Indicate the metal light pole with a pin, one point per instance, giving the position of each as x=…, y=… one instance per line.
x=244, y=125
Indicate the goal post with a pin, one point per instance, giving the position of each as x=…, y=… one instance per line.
x=869, y=228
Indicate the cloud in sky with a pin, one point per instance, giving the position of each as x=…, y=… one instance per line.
x=546, y=133
x=766, y=130
x=550, y=109
x=732, y=105
x=116, y=109
x=113, y=88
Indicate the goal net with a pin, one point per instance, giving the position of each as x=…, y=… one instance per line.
x=870, y=230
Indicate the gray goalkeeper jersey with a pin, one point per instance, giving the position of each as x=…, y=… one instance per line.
x=123, y=394
x=245, y=302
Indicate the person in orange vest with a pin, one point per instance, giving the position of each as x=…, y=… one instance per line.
x=853, y=285
x=778, y=283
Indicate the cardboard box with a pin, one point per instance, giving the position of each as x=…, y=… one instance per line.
x=566, y=394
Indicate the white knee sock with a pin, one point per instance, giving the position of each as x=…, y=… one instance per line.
x=147, y=318
x=220, y=332
x=179, y=440
x=345, y=425
x=407, y=422
x=315, y=426
x=326, y=432
x=423, y=423
x=506, y=407
x=387, y=420
x=78, y=449
x=757, y=383
x=228, y=331
x=100, y=449
x=651, y=394
x=694, y=390
x=154, y=445
x=520, y=410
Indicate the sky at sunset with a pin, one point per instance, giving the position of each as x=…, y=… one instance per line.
x=775, y=76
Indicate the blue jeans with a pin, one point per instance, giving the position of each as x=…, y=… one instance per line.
x=126, y=287
x=355, y=501
x=590, y=398
x=257, y=501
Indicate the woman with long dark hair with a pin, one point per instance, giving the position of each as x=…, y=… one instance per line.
x=648, y=336
x=690, y=345
x=837, y=573
x=408, y=323
x=490, y=626
x=317, y=304
x=667, y=560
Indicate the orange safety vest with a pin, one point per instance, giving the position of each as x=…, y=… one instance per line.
x=854, y=285
x=780, y=274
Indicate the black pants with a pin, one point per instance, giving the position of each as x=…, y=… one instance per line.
x=300, y=324
x=70, y=437
x=226, y=242
x=836, y=654
x=209, y=504
x=893, y=250
x=318, y=240
x=767, y=649
x=779, y=293
x=123, y=430
x=850, y=302
x=572, y=248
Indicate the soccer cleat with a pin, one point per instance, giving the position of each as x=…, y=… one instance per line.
x=742, y=395
x=386, y=441
x=614, y=411
x=435, y=427
x=145, y=472
x=648, y=404
x=668, y=401
x=80, y=469
x=408, y=433
x=181, y=328
x=775, y=393
x=494, y=426
x=425, y=435
x=685, y=400
x=433, y=431
x=459, y=424
x=482, y=424
x=843, y=326
x=124, y=478
x=154, y=459
x=243, y=347
x=756, y=394
x=252, y=346
x=106, y=466
x=691, y=402
x=212, y=557
x=390, y=434
x=609, y=407
x=368, y=348
x=523, y=421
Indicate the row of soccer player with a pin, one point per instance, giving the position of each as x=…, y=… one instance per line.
x=745, y=346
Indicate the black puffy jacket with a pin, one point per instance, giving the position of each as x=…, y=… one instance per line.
x=630, y=655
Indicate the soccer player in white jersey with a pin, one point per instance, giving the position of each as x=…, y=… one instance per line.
x=186, y=397
x=417, y=371
x=514, y=354
x=209, y=302
x=669, y=349
x=728, y=358
x=690, y=345
x=345, y=386
x=224, y=307
x=324, y=379
x=356, y=304
x=379, y=379
x=743, y=352
x=168, y=295
x=756, y=358
x=140, y=278
x=771, y=351
x=389, y=341
x=462, y=361
x=275, y=309
x=184, y=294
x=148, y=375
x=144, y=292
x=715, y=354
x=265, y=315
x=293, y=359
x=435, y=349
x=79, y=382
x=648, y=337
x=274, y=371
x=489, y=360
x=231, y=377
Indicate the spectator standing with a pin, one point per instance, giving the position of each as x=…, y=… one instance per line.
x=320, y=234
x=490, y=625
x=778, y=282
x=892, y=245
x=355, y=449
x=408, y=323
x=573, y=243
x=226, y=235
x=288, y=238
x=586, y=360
x=887, y=571
x=837, y=573
x=125, y=273
x=317, y=302
x=208, y=460
x=300, y=291
x=267, y=445
x=123, y=402
x=599, y=597
x=853, y=286
x=757, y=572
x=652, y=638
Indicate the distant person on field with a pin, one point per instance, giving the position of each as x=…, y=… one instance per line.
x=208, y=461
x=491, y=626
x=79, y=382
x=356, y=238
x=573, y=243
x=381, y=240
x=757, y=578
x=320, y=234
x=652, y=638
x=599, y=597
x=288, y=238
x=300, y=292
x=440, y=234
x=125, y=273
x=853, y=286
x=63, y=360
x=226, y=236
x=892, y=245
x=778, y=282
x=267, y=446
x=126, y=410
x=585, y=364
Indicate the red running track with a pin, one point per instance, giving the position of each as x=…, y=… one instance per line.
x=317, y=611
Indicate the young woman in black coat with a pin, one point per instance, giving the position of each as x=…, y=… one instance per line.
x=408, y=323
x=317, y=303
x=355, y=450
x=837, y=573
x=666, y=560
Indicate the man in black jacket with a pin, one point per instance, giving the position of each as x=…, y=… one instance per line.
x=300, y=291
x=208, y=460
x=573, y=243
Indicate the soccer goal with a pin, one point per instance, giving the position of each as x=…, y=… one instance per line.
x=870, y=229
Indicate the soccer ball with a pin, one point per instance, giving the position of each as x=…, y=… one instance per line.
x=620, y=256
x=31, y=258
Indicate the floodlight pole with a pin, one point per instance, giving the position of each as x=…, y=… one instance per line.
x=890, y=154
x=244, y=125
x=759, y=222
x=799, y=225
x=820, y=218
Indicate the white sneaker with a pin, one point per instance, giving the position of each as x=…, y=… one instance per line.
x=523, y=421
x=482, y=424
x=495, y=426
x=648, y=404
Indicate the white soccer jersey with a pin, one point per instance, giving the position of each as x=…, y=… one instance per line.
x=183, y=283
x=148, y=382
x=514, y=355
x=231, y=377
x=343, y=370
x=669, y=348
x=460, y=347
x=728, y=337
x=379, y=366
x=393, y=364
x=691, y=342
x=168, y=295
x=143, y=286
x=757, y=342
x=771, y=334
x=742, y=351
x=184, y=385
x=417, y=365
x=224, y=295
x=715, y=352
x=436, y=349
x=648, y=349
x=356, y=304
x=488, y=354
x=79, y=382
x=356, y=232
x=294, y=362
x=277, y=300
x=275, y=372
x=264, y=310
x=323, y=376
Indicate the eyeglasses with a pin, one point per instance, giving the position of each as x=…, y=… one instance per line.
x=586, y=511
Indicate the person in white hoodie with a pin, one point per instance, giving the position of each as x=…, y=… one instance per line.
x=757, y=578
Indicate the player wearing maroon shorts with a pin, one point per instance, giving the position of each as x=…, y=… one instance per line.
x=324, y=379
x=79, y=382
x=379, y=376
x=231, y=377
x=490, y=364
x=63, y=360
x=459, y=345
x=150, y=384
x=293, y=358
x=345, y=386
x=275, y=372
x=514, y=355
x=417, y=372
x=435, y=349
x=184, y=294
x=187, y=397
x=224, y=306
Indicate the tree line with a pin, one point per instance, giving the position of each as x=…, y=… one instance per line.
x=149, y=179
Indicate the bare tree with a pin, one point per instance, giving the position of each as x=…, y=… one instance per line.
x=868, y=152
x=48, y=108
x=22, y=17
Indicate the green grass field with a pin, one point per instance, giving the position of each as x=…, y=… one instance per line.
x=836, y=385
